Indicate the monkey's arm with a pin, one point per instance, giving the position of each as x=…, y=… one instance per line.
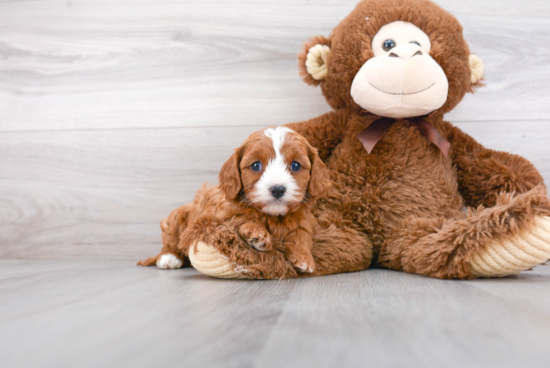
x=484, y=173
x=323, y=132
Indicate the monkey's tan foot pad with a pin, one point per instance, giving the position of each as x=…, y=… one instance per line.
x=209, y=261
x=514, y=255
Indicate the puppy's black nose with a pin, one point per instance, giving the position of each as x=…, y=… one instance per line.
x=277, y=191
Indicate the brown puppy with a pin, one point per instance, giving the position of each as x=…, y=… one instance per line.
x=266, y=191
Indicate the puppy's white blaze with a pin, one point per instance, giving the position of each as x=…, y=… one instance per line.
x=169, y=261
x=277, y=136
x=276, y=173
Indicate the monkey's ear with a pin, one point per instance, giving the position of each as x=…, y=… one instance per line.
x=230, y=175
x=313, y=59
x=477, y=69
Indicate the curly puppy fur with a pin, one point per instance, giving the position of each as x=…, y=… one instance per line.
x=400, y=207
x=242, y=201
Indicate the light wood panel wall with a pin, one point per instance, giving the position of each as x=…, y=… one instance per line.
x=114, y=112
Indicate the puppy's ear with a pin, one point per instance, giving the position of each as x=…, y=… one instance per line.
x=319, y=181
x=230, y=175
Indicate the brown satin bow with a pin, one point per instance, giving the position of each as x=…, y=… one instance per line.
x=372, y=134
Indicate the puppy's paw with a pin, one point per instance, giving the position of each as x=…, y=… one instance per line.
x=303, y=262
x=168, y=262
x=256, y=236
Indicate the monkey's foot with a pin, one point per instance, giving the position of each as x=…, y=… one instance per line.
x=515, y=254
x=209, y=261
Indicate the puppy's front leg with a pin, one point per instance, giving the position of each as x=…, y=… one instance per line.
x=256, y=235
x=298, y=245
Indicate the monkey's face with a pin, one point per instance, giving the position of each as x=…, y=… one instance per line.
x=401, y=80
x=393, y=58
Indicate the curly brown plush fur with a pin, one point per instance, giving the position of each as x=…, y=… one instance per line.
x=401, y=206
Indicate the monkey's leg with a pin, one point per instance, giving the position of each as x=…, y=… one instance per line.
x=503, y=240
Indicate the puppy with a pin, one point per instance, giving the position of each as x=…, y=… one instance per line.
x=266, y=191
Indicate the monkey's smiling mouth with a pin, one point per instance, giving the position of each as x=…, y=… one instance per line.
x=402, y=94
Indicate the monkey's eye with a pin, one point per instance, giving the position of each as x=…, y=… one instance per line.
x=256, y=166
x=388, y=45
x=294, y=166
x=416, y=43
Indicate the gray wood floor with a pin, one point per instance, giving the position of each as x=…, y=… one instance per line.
x=78, y=313
x=112, y=113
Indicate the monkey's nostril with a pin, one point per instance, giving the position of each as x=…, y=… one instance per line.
x=418, y=53
x=393, y=54
x=277, y=191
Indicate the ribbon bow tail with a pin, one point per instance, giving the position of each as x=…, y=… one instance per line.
x=431, y=134
x=372, y=134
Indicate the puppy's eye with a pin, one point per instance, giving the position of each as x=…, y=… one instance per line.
x=416, y=43
x=256, y=166
x=294, y=166
x=388, y=45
